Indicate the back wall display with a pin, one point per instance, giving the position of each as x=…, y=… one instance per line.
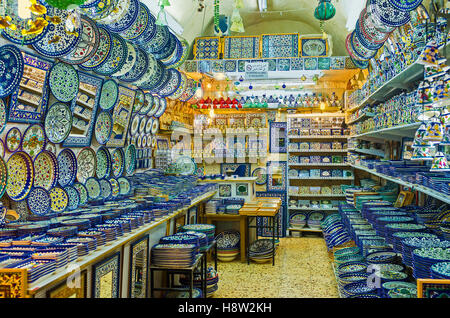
x=278, y=137
x=279, y=45
x=240, y=169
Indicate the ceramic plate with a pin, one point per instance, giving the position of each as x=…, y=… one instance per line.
x=155, y=104
x=3, y=116
x=58, y=122
x=11, y=69
x=134, y=127
x=39, y=201
x=162, y=108
x=74, y=198
x=139, y=101
x=149, y=125
x=144, y=141
x=168, y=49
x=158, y=82
x=82, y=191
x=186, y=166
x=152, y=71
x=118, y=162
x=128, y=19
x=142, y=123
x=86, y=164
x=115, y=187
x=124, y=186
x=103, y=51
x=130, y=160
x=67, y=166
x=261, y=176
x=177, y=94
x=57, y=42
x=103, y=169
x=93, y=189
x=130, y=59
x=88, y=44
x=20, y=176
x=140, y=27
x=46, y=170
x=159, y=40
x=148, y=104
x=33, y=140
x=106, y=189
x=139, y=68
x=59, y=200
x=184, y=55
x=13, y=139
x=116, y=59
x=103, y=127
x=3, y=177
x=108, y=95
x=64, y=82
x=139, y=141
x=51, y=147
x=155, y=126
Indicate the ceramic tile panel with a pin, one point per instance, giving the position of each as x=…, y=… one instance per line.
x=236, y=47
x=283, y=65
x=296, y=64
x=207, y=48
x=323, y=63
x=280, y=45
x=230, y=65
x=337, y=63
x=311, y=63
x=314, y=47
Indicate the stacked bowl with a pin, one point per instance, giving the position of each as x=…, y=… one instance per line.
x=261, y=251
x=424, y=258
x=228, y=245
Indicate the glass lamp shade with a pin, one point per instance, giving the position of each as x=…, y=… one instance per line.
x=434, y=131
x=440, y=163
x=325, y=10
x=423, y=153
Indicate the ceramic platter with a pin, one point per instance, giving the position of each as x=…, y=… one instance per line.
x=153, y=68
x=34, y=140
x=13, y=139
x=88, y=44
x=3, y=176
x=134, y=127
x=139, y=141
x=387, y=14
x=155, y=126
x=148, y=126
x=142, y=123
x=124, y=186
x=93, y=189
x=106, y=189
x=103, y=127
x=115, y=187
x=67, y=166
x=261, y=176
x=140, y=101
x=159, y=40
x=116, y=59
x=177, y=94
x=59, y=200
x=82, y=191
x=86, y=164
x=74, y=198
x=39, y=201
x=103, y=169
x=57, y=42
x=118, y=162
x=139, y=68
x=130, y=159
x=143, y=24
x=11, y=69
x=102, y=53
x=58, y=122
x=109, y=95
x=155, y=104
x=162, y=108
x=20, y=176
x=46, y=170
x=186, y=166
x=64, y=82
x=168, y=49
x=144, y=141
x=158, y=82
x=3, y=115
x=126, y=20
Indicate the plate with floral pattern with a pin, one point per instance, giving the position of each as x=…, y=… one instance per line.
x=82, y=191
x=67, y=167
x=144, y=23
x=109, y=95
x=86, y=164
x=155, y=104
x=134, y=127
x=102, y=53
x=152, y=69
x=39, y=201
x=130, y=159
x=13, y=139
x=3, y=116
x=155, y=126
x=261, y=176
x=11, y=69
x=124, y=186
x=139, y=101
x=144, y=141
x=149, y=125
x=2, y=149
x=64, y=82
x=115, y=187
x=130, y=59
x=74, y=198
x=93, y=188
x=139, y=68
x=162, y=107
x=58, y=122
x=33, y=140
x=59, y=199
x=116, y=59
x=142, y=124
x=46, y=170
x=103, y=169
x=159, y=40
x=118, y=162
x=103, y=127
x=127, y=20
x=106, y=189
x=3, y=177
x=20, y=175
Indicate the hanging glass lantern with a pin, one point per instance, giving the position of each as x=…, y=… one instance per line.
x=324, y=11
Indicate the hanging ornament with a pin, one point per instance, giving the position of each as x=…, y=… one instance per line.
x=324, y=11
x=161, y=20
x=250, y=86
x=284, y=86
x=236, y=20
x=216, y=17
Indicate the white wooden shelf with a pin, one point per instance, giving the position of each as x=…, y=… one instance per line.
x=373, y=152
x=393, y=133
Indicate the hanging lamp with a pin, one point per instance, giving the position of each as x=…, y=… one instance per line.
x=324, y=11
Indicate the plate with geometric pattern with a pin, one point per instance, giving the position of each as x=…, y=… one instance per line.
x=67, y=167
x=39, y=201
x=58, y=122
x=64, y=82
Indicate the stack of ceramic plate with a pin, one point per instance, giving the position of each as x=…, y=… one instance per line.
x=391, y=228
x=349, y=194
x=59, y=255
x=93, y=217
x=403, y=292
x=202, y=239
x=341, y=259
x=211, y=206
x=380, y=212
x=196, y=293
x=380, y=223
x=98, y=235
x=47, y=240
x=72, y=250
x=35, y=228
x=361, y=199
x=389, y=276
x=81, y=224
x=411, y=243
x=181, y=238
x=315, y=219
x=63, y=231
x=118, y=227
x=397, y=238
x=124, y=224
x=8, y=232
x=212, y=280
x=346, y=251
x=36, y=268
x=347, y=278
x=298, y=220
x=228, y=245
x=424, y=258
x=382, y=257
x=357, y=288
x=207, y=229
x=82, y=248
x=261, y=251
x=440, y=270
x=387, y=286
x=110, y=232
x=91, y=242
x=173, y=255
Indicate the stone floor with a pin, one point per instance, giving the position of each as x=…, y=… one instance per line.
x=302, y=270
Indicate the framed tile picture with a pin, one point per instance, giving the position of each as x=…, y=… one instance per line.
x=276, y=176
x=138, y=277
x=313, y=47
x=106, y=277
x=13, y=283
x=70, y=288
x=278, y=137
x=279, y=45
x=433, y=288
x=241, y=47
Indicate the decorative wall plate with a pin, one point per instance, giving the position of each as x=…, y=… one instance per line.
x=176, y=54
x=11, y=69
x=149, y=125
x=108, y=95
x=3, y=177
x=59, y=199
x=2, y=149
x=106, y=189
x=46, y=170
x=134, y=127
x=144, y=140
x=369, y=31
x=129, y=61
x=139, y=141
x=93, y=188
x=139, y=68
x=162, y=107
x=159, y=40
x=140, y=102
x=386, y=13
x=33, y=140
x=98, y=9
x=130, y=160
x=74, y=198
x=63, y=81
x=141, y=26
x=57, y=42
x=159, y=81
x=177, y=94
x=127, y=20
x=3, y=115
x=186, y=166
x=39, y=201
x=168, y=49
x=261, y=176
x=82, y=191
x=155, y=126
x=124, y=186
x=405, y=5
x=103, y=127
x=67, y=166
x=115, y=187
x=88, y=44
x=142, y=123
x=154, y=104
x=20, y=176
x=86, y=164
x=103, y=51
x=184, y=55
x=103, y=169
x=314, y=47
x=58, y=122
x=361, y=52
x=13, y=139
x=117, y=10
x=117, y=58
x=118, y=162
x=189, y=90
x=153, y=75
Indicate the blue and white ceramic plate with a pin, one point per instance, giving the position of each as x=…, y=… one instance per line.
x=74, y=198
x=117, y=58
x=11, y=69
x=149, y=125
x=127, y=20
x=94, y=189
x=102, y=53
x=118, y=162
x=162, y=81
x=64, y=82
x=82, y=191
x=141, y=26
x=159, y=40
x=139, y=101
x=106, y=189
x=154, y=76
x=103, y=169
x=168, y=49
x=386, y=13
x=67, y=166
x=108, y=95
x=155, y=126
x=124, y=186
x=39, y=201
x=139, y=67
x=58, y=122
x=130, y=160
x=103, y=127
x=134, y=127
x=87, y=164
x=129, y=61
x=162, y=108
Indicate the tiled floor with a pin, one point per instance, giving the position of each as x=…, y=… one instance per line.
x=302, y=270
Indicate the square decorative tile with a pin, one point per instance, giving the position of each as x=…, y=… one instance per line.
x=283, y=64
x=337, y=63
x=272, y=64
x=230, y=65
x=237, y=47
x=297, y=64
x=323, y=63
x=349, y=63
x=190, y=66
x=280, y=45
x=314, y=47
x=311, y=63
x=217, y=66
x=207, y=48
